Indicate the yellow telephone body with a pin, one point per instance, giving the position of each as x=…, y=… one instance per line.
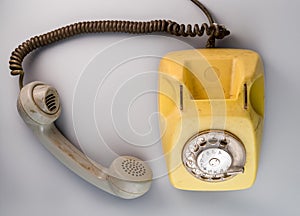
x=211, y=90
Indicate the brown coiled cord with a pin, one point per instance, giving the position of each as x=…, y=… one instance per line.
x=214, y=31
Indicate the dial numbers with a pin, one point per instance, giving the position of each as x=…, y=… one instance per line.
x=214, y=160
x=213, y=155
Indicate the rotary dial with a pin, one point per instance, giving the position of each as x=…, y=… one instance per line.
x=214, y=155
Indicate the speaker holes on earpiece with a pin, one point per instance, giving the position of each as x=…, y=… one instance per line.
x=133, y=167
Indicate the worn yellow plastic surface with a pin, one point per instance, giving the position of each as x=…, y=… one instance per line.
x=211, y=89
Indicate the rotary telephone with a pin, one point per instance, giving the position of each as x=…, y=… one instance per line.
x=211, y=102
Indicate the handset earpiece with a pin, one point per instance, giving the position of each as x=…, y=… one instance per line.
x=128, y=177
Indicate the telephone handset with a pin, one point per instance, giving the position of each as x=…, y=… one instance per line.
x=129, y=177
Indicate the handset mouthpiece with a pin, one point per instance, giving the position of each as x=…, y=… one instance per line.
x=38, y=103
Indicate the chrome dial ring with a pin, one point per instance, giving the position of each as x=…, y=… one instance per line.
x=214, y=155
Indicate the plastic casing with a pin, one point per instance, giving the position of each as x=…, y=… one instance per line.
x=207, y=89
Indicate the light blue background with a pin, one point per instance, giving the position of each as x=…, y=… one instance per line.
x=34, y=183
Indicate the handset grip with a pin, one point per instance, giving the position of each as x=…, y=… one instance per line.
x=71, y=157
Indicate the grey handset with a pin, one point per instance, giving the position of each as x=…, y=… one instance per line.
x=127, y=177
